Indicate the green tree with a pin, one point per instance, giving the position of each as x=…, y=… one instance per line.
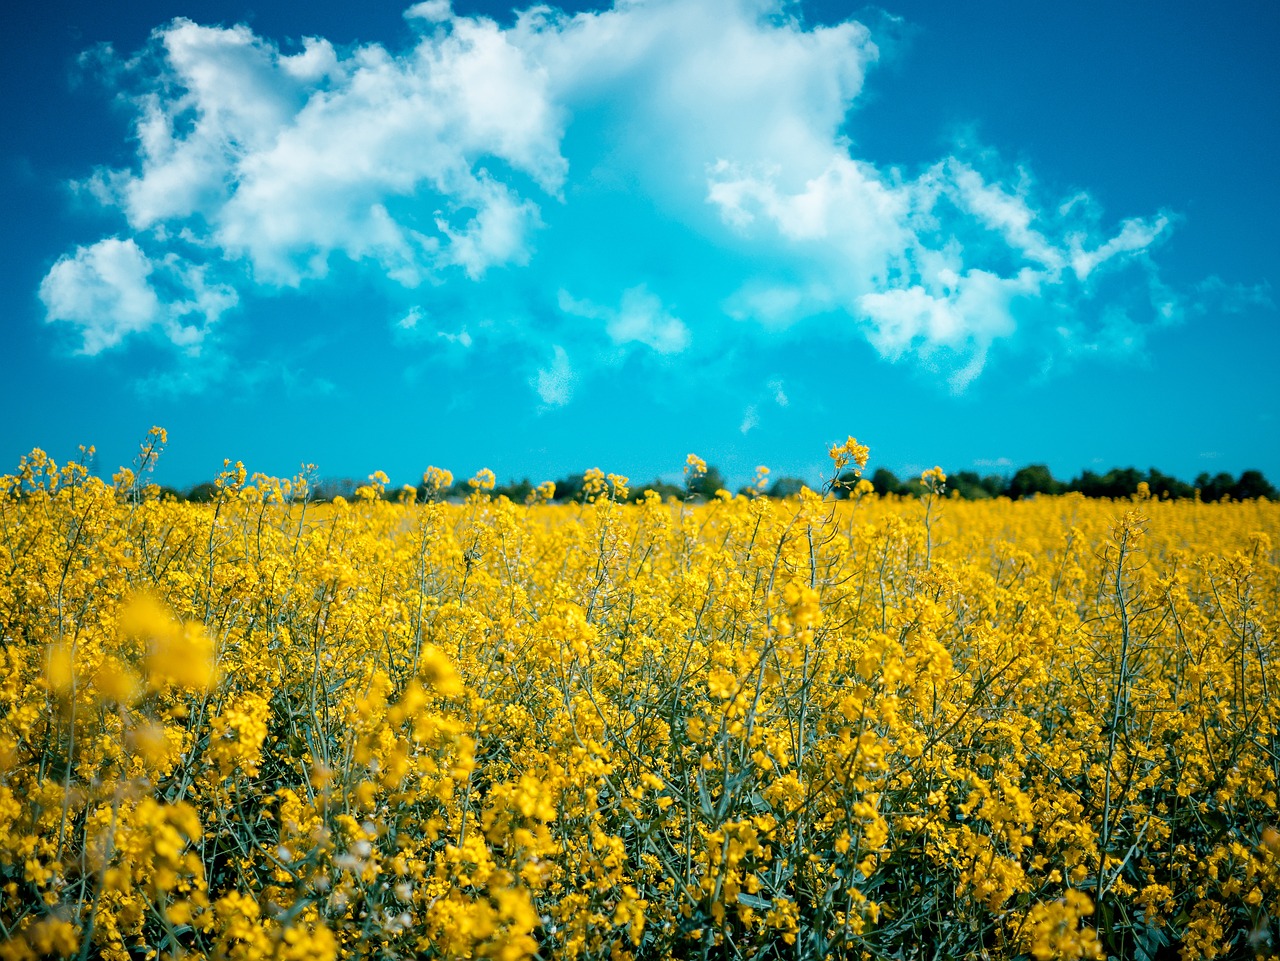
x=662, y=488
x=1031, y=480
x=886, y=481
x=1216, y=487
x=995, y=485
x=203, y=493
x=1252, y=484
x=785, y=487
x=1164, y=485
x=706, y=485
x=1117, y=482
x=569, y=488
x=968, y=484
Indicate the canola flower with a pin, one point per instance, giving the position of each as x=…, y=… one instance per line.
x=263, y=728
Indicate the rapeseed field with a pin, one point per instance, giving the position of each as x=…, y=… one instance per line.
x=265, y=728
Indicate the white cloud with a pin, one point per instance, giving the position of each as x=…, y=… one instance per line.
x=104, y=289
x=859, y=222
x=109, y=291
x=411, y=319
x=779, y=395
x=285, y=161
x=642, y=318
x=461, y=338
x=433, y=11
x=1135, y=235
x=1213, y=292
x=1009, y=214
x=639, y=318
x=1120, y=335
x=690, y=83
x=554, y=384
x=717, y=130
x=750, y=420
x=973, y=313
x=416, y=324
x=496, y=235
x=934, y=266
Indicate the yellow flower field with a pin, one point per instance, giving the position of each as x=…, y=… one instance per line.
x=267, y=728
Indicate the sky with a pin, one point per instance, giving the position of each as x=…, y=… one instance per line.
x=540, y=239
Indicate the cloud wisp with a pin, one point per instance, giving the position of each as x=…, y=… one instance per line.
x=648, y=177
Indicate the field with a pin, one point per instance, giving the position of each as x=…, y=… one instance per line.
x=873, y=727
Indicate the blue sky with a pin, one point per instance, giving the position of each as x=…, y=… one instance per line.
x=539, y=240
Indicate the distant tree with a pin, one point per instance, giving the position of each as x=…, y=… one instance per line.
x=203, y=493
x=425, y=493
x=515, y=490
x=660, y=487
x=968, y=484
x=1088, y=483
x=1117, y=482
x=568, y=489
x=1252, y=484
x=459, y=490
x=1125, y=481
x=844, y=484
x=785, y=487
x=1031, y=480
x=913, y=487
x=886, y=481
x=1163, y=485
x=995, y=485
x=1216, y=487
x=330, y=487
x=706, y=485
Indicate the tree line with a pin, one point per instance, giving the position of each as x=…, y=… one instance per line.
x=1119, y=482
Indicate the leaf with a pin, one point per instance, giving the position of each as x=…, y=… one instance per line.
x=1150, y=940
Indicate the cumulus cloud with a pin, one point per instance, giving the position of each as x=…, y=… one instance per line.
x=433, y=11
x=700, y=146
x=105, y=290
x=963, y=318
x=111, y=289
x=287, y=160
x=940, y=266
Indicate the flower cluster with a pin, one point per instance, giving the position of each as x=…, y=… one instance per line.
x=872, y=727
